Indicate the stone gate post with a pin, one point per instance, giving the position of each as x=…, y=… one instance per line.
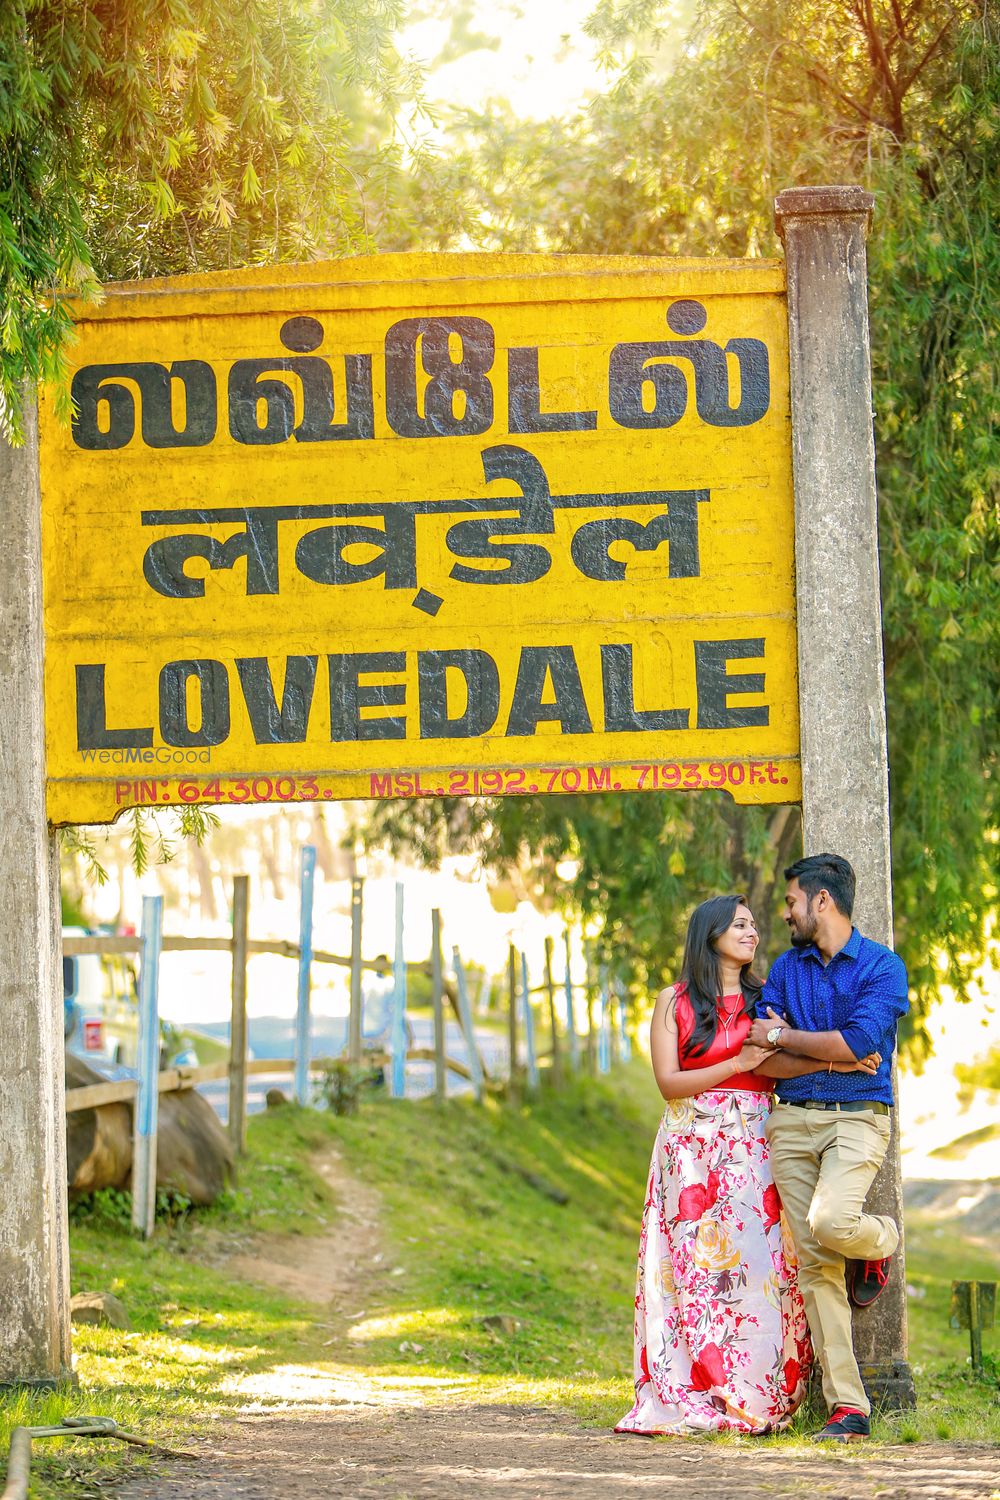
x=34, y=1254
x=845, y=781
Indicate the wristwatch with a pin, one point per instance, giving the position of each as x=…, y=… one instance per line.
x=774, y=1036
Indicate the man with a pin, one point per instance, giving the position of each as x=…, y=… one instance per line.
x=830, y=1006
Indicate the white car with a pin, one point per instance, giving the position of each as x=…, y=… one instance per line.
x=100, y=1008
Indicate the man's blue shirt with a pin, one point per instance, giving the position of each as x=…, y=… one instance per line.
x=861, y=992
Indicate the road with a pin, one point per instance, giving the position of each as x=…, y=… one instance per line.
x=273, y=1036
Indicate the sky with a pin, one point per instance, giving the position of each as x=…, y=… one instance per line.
x=532, y=53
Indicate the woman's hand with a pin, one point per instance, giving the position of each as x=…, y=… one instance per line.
x=750, y=1055
x=869, y=1064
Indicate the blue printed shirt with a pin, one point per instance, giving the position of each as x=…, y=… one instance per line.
x=861, y=992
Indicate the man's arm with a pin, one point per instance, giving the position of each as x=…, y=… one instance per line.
x=822, y=1046
x=873, y=1018
x=785, y=1065
x=879, y=1005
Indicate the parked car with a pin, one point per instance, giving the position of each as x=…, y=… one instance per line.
x=101, y=1016
x=100, y=1005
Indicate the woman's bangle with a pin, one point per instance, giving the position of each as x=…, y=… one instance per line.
x=736, y=1066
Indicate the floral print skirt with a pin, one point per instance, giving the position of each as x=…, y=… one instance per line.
x=721, y=1340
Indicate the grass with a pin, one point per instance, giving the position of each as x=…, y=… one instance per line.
x=471, y=1230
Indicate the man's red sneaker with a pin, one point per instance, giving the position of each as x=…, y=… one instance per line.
x=844, y=1425
x=867, y=1280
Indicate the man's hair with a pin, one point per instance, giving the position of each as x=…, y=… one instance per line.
x=826, y=872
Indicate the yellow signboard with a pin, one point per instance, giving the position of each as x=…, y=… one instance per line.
x=421, y=525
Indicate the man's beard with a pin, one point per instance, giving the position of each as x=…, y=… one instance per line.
x=803, y=936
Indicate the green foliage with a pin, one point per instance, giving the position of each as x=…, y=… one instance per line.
x=631, y=867
x=981, y=1073
x=339, y=1086
x=683, y=154
x=107, y=1208
x=141, y=139
x=172, y=1206
x=72, y=912
x=152, y=835
x=110, y=1209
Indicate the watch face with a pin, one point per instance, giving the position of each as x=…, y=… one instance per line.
x=774, y=1033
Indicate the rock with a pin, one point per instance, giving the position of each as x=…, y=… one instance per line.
x=98, y=1141
x=99, y=1308
x=274, y=1098
x=193, y=1155
x=501, y=1324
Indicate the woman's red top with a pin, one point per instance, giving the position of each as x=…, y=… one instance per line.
x=729, y=1038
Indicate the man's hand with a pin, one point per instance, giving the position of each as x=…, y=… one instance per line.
x=759, y=1028
x=869, y=1064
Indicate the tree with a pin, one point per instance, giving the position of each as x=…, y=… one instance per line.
x=686, y=159
x=146, y=137
x=150, y=137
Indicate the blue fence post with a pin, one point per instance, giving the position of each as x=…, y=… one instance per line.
x=307, y=874
x=354, y=1030
x=574, y=1041
x=625, y=1041
x=589, y=994
x=529, y=1025
x=464, y=1011
x=147, y=1094
x=604, y=1033
x=397, y=1033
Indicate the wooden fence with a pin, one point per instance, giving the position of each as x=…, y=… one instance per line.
x=594, y=1047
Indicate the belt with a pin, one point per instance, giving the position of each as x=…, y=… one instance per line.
x=851, y=1105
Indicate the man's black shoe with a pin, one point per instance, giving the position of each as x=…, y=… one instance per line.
x=867, y=1280
x=845, y=1425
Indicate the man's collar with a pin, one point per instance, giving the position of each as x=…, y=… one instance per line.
x=852, y=947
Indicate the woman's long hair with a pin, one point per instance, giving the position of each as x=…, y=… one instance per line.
x=701, y=971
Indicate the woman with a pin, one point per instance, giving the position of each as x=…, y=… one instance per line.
x=721, y=1340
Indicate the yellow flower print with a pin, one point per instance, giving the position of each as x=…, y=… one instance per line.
x=678, y=1115
x=713, y=1249
x=667, y=1277
x=772, y=1290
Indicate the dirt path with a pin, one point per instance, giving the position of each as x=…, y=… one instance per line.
x=346, y=1436
x=360, y=1452
x=329, y=1269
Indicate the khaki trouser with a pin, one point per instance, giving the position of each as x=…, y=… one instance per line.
x=823, y=1163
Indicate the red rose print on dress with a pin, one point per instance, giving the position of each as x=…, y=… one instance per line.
x=793, y=1374
x=691, y=1201
x=772, y=1206
x=708, y=1369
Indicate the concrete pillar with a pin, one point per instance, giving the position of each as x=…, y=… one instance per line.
x=845, y=782
x=34, y=1252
